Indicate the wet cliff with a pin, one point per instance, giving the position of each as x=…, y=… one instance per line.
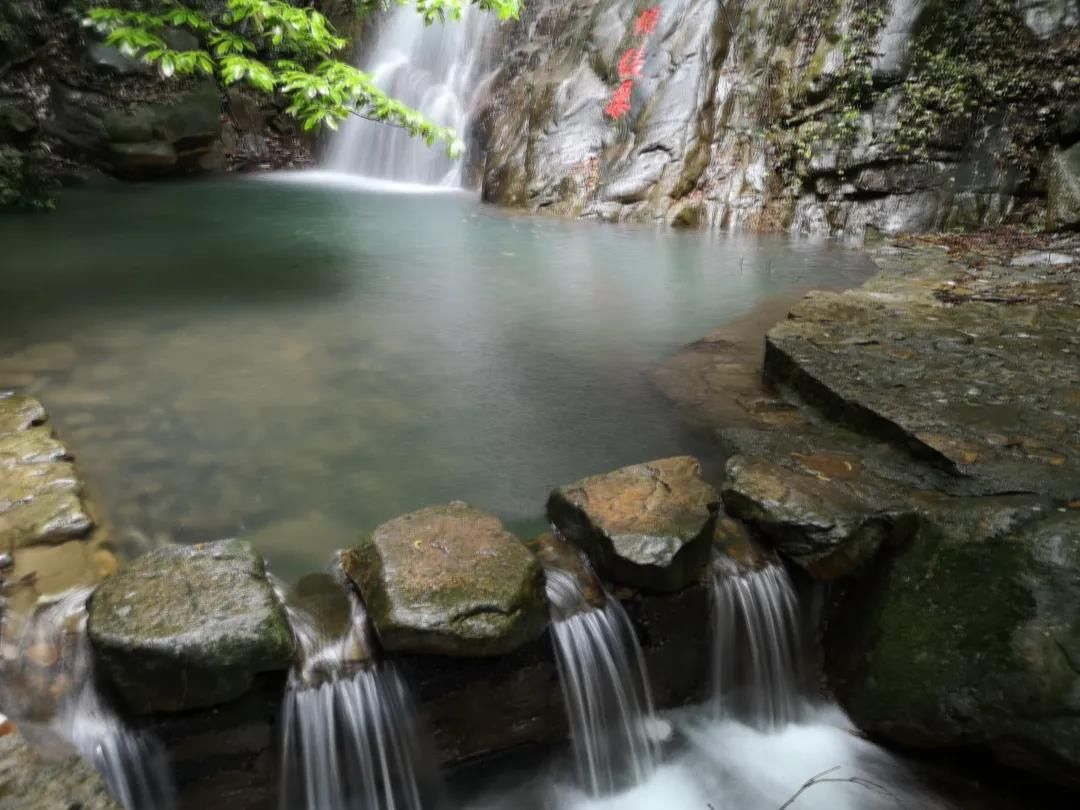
x=818, y=116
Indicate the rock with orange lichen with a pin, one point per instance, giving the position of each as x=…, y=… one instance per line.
x=649, y=526
x=449, y=580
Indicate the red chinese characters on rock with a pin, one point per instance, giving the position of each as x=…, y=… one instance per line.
x=619, y=103
x=630, y=65
x=646, y=21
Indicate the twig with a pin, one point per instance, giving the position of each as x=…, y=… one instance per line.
x=824, y=778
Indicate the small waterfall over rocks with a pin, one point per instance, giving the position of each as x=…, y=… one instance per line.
x=437, y=69
x=350, y=735
x=47, y=685
x=758, y=646
x=605, y=687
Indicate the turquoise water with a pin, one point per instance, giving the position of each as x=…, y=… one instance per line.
x=298, y=361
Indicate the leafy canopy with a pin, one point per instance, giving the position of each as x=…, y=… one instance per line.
x=278, y=47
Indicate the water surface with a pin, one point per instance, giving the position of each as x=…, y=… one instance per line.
x=300, y=361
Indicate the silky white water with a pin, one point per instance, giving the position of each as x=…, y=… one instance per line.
x=48, y=688
x=605, y=689
x=757, y=659
x=438, y=69
x=349, y=733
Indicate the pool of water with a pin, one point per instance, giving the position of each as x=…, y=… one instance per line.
x=299, y=361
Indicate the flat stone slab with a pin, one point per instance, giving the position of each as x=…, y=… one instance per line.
x=972, y=366
x=189, y=626
x=449, y=580
x=649, y=526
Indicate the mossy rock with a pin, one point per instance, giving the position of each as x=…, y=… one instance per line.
x=449, y=580
x=970, y=636
x=186, y=627
x=649, y=525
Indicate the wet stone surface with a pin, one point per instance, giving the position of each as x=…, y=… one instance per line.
x=189, y=626
x=648, y=525
x=449, y=580
x=40, y=494
x=968, y=363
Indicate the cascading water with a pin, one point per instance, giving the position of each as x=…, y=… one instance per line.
x=47, y=686
x=605, y=688
x=758, y=651
x=437, y=69
x=350, y=738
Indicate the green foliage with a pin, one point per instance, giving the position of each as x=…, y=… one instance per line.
x=970, y=67
x=849, y=89
x=278, y=47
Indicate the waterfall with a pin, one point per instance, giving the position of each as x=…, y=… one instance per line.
x=47, y=686
x=350, y=737
x=758, y=648
x=605, y=688
x=437, y=69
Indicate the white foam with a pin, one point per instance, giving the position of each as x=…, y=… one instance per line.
x=355, y=182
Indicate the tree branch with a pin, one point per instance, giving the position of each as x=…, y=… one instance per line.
x=824, y=778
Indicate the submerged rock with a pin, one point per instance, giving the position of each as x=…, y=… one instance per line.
x=827, y=525
x=189, y=626
x=30, y=782
x=449, y=580
x=970, y=635
x=649, y=525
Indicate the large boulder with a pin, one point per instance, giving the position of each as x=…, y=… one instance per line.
x=970, y=635
x=828, y=525
x=449, y=580
x=189, y=626
x=649, y=525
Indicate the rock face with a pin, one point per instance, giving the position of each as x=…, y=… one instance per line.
x=970, y=636
x=738, y=118
x=449, y=580
x=29, y=782
x=189, y=626
x=649, y=526
x=146, y=141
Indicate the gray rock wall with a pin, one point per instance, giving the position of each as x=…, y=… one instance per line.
x=720, y=130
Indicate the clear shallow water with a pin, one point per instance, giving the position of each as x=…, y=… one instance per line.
x=298, y=361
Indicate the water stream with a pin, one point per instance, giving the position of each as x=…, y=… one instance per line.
x=349, y=733
x=48, y=688
x=757, y=665
x=437, y=69
x=605, y=688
